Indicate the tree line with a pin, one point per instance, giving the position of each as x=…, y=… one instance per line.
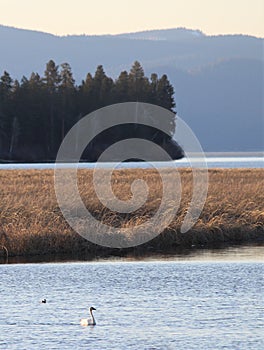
x=37, y=112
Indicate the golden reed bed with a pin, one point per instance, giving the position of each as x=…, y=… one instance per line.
x=31, y=222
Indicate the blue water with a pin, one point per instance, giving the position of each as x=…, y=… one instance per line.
x=160, y=304
x=212, y=162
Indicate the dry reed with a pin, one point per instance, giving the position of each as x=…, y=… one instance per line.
x=31, y=222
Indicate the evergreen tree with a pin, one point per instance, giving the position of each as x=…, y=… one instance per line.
x=153, y=87
x=165, y=99
x=36, y=102
x=6, y=86
x=138, y=83
x=67, y=95
x=102, y=87
x=121, y=91
x=66, y=77
x=85, y=95
x=165, y=93
x=52, y=77
x=52, y=80
x=136, y=72
x=106, y=92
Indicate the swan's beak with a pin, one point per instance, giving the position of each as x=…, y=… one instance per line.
x=93, y=308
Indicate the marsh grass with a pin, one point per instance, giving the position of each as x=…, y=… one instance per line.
x=31, y=222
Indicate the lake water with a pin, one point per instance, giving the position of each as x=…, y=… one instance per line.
x=212, y=162
x=207, y=301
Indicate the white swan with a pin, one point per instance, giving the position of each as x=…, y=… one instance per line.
x=89, y=321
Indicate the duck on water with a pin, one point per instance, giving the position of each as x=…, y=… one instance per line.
x=89, y=321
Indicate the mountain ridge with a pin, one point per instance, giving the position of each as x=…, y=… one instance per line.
x=147, y=31
x=201, y=68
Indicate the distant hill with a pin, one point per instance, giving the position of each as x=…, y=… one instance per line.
x=218, y=80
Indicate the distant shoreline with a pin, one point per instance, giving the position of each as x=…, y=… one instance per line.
x=31, y=222
x=206, y=154
x=235, y=154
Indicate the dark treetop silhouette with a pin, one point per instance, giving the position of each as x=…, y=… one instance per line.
x=37, y=113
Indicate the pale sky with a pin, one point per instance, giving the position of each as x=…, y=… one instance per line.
x=119, y=16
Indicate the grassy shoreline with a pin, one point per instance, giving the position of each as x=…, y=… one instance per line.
x=31, y=222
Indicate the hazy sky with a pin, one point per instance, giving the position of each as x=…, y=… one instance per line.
x=119, y=16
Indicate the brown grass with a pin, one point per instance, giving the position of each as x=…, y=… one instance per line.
x=31, y=222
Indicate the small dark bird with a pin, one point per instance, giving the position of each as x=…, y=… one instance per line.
x=43, y=301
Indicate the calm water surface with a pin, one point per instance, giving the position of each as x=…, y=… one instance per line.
x=212, y=162
x=201, y=303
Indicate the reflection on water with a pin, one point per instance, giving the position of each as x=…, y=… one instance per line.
x=238, y=253
x=234, y=253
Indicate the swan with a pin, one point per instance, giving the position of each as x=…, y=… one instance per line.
x=89, y=321
x=43, y=301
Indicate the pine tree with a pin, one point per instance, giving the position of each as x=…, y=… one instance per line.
x=165, y=99
x=102, y=87
x=153, y=87
x=5, y=84
x=121, y=90
x=85, y=95
x=52, y=80
x=6, y=112
x=138, y=83
x=165, y=93
x=67, y=96
x=52, y=77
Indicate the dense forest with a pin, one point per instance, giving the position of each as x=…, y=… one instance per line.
x=37, y=112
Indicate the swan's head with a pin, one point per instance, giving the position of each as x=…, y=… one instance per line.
x=43, y=301
x=92, y=308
